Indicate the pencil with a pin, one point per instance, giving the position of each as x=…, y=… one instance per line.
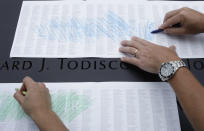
x=23, y=92
x=161, y=30
x=157, y=31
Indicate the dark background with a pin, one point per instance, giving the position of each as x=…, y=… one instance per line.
x=71, y=70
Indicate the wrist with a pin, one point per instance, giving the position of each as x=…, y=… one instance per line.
x=48, y=121
x=174, y=58
x=179, y=73
x=202, y=24
x=41, y=114
x=168, y=69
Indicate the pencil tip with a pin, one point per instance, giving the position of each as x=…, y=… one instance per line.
x=157, y=31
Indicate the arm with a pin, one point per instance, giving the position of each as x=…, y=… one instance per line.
x=189, y=91
x=191, y=96
x=48, y=121
x=37, y=104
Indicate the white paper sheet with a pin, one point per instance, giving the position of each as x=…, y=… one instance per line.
x=115, y=0
x=105, y=106
x=94, y=29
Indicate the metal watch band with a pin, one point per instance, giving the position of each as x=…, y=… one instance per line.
x=176, y=65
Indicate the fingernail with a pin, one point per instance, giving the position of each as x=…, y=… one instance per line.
x=26, y=78
x=123, y=42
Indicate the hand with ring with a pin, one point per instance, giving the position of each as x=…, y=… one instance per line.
x=146, y=55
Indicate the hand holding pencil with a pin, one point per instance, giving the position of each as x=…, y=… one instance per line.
x=35, y=100
x=189, y=21
x=33, y=97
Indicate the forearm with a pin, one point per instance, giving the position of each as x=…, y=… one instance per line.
x=48, y=121
x=191, y=96
x=202, y=24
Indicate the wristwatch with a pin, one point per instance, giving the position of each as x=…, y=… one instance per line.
x=168, y=69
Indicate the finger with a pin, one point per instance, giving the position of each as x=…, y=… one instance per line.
x=170, y=14
x=134, y=44
x=130, y=60
x=144, y=42
x=171, y=21
x=129, y=50
x=28, y=83
x=134, y=38
x=175, y=31
x=19, y=97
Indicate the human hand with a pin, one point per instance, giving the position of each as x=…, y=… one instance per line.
x=37, y=98
x=191, y=21
x=149, y=56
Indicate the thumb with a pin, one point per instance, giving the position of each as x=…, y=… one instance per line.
x=172, y=47
x=19, y=97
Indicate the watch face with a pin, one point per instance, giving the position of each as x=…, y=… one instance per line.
x=167, y=70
